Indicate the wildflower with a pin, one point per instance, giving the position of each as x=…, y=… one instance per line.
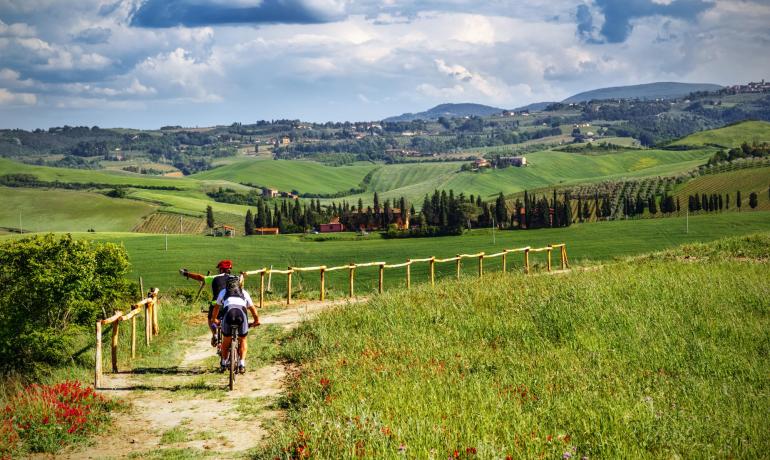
x=402, y=448
x=470, y=451
x=566, y=455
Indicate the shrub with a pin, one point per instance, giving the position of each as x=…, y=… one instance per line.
x=52, y=288
x=43, y=418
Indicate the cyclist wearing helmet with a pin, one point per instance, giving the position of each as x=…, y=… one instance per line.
x=233, y=302
x=218, y=283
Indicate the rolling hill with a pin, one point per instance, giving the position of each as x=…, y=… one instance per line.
x=729, y=136
x=660, y=90
x=449, y=111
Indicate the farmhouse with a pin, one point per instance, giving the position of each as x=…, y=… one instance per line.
x=481, y=163
x=269, y=192
x=266, y=231
x=334, y=225
x=504, y=162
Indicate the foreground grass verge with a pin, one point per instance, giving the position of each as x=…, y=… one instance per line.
x=641, y=359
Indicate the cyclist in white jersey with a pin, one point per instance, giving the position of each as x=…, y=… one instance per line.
x=234, y=301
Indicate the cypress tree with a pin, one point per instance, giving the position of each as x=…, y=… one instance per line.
x=753, y=200
x=727, y=201
x=209, y=217
x=721, y=203
x=652, y=205
x=738, y=200
x=580, y=208
x=249, y=224
x=586, y=211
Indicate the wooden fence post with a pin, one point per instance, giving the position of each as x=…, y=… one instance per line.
x=549, y=258
x=323, y=283
x=288, y=287
x=147, y=324
x=457, y=267
x=409, y=273
x=351, y=277
x=262, y=289
x=481, y=265
x=564, y=257
x=141, y=287
x=505, y=260
x=381, y=278
x=114, y=344
x=133, y=336
x=155, y=305
x=526, y=260
x=98, y=356
x=432, y=271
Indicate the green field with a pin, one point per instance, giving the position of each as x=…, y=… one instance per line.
x=596, y=241
x=730, y=136
x=545, y=169
x=654, y=358
x=65, y=210
x=286, y=175
x=49, y=174
x=746, y=180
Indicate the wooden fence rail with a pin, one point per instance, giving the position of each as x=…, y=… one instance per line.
x=148, y=306
x=382, y=266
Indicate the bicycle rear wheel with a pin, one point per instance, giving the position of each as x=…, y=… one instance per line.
x=233, y=359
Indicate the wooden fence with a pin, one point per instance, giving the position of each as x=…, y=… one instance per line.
x=382, y=266
x=150, y=310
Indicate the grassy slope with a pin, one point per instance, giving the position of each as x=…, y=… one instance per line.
x=643, y=359
x=746, y=180
x=65, y=210
x=100, y=176
x=545, y=168
x=284, y=175
x=730, y=136
x=596, y=241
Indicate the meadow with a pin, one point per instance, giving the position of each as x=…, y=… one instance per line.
x=638, y=359
x=748, y=180
x=729, y=136
x=585, y=243
x=67, y=210
x=288, y=175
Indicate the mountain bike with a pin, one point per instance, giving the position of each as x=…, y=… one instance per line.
x=235, y=357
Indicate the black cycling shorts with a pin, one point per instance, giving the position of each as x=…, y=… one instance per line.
x=235, y=318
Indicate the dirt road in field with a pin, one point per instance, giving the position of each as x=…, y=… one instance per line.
x=186, y=409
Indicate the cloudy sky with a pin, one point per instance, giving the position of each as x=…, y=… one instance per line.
x=148, y=63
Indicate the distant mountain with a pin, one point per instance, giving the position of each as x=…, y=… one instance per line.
x=449, y=111
x=534, y=107
x=660, y=90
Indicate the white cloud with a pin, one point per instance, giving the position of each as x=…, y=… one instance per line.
x=9, y=98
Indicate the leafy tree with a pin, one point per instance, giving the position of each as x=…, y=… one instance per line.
x=209, y=217
x=54, y=289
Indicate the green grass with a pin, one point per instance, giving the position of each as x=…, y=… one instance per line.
x=640, y=359
x=730, y=136
x=746, y=180
x=595, y=241
x=65, y=210
x=286, y=175
x=49, y=174
x=545, y=169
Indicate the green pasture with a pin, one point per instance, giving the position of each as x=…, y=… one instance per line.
x=287, y=175
x=545, y=169
x=651, y=358
x=730, y=136
x=746, y=180
x=50, y=174
x=595, y=242
x=66, y=210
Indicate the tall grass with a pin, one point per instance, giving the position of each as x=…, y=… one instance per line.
x=642, y=359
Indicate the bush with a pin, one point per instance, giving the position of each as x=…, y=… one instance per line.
x=42, y=418
x=52, y=288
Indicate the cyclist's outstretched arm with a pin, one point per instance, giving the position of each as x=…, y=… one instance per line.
x=192, y=275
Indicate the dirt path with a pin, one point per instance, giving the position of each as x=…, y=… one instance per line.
x=189, y=407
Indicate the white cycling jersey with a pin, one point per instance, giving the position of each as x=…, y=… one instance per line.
x=234, y=301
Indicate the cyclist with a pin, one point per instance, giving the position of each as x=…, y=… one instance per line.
x=217, y=284
x=234, y=301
